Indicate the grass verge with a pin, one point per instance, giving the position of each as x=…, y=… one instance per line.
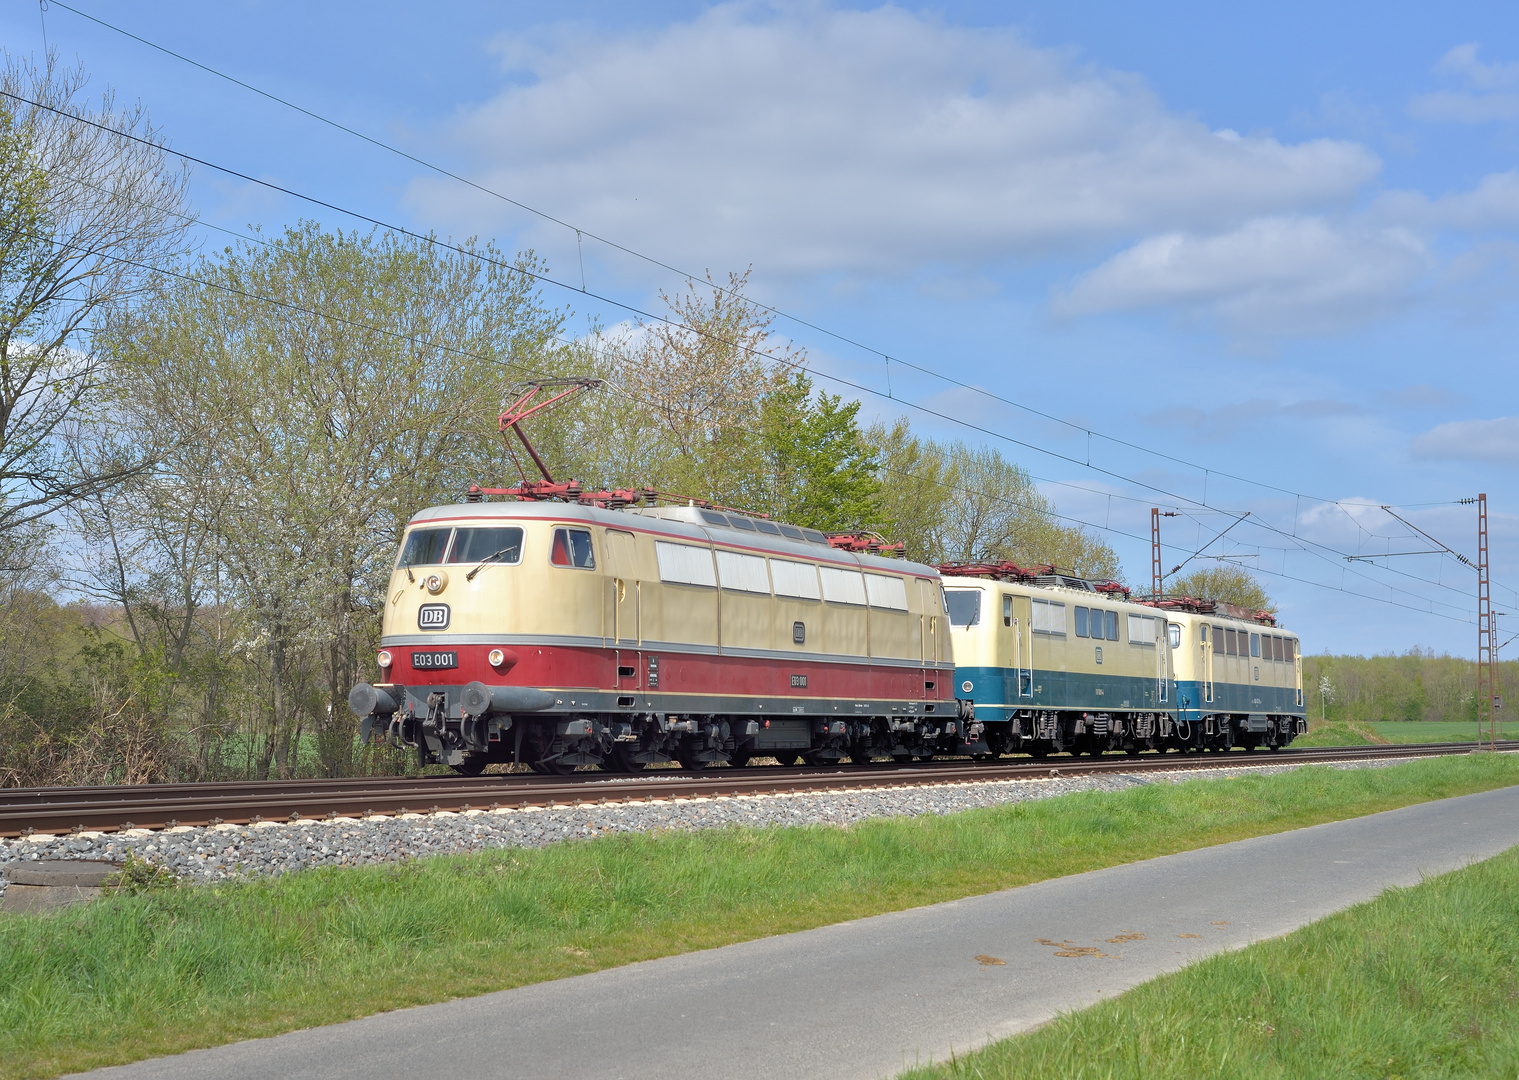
x=1362, y=732
x=162, y=972
x=1418, y=982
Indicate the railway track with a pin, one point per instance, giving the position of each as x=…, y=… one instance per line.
x=24, y=811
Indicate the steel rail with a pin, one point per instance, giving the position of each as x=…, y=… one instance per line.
x=54, y=810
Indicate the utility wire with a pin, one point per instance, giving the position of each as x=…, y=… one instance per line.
x=582, y=232
x=414, y=340
x=545, y=279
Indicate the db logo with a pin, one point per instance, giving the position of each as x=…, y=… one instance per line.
x=432, y=617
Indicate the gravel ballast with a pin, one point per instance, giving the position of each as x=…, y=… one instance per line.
x=214, y=853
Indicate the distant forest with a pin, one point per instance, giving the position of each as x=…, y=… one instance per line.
x=1418, y=685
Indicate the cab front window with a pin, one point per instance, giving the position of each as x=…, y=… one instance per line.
x=424, y=547
x=502, y=545
x=964, y=606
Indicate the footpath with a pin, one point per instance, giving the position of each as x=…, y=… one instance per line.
x=865, y=999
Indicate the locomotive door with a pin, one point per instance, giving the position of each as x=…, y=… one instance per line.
x=1206, y=663
x=1017, y=615
x=935, y=634
x=622, y=590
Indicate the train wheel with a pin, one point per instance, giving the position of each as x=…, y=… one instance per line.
x=1039, y=750
x=621, y=759
x=1132, y=751
x=553, y=768
x=785, y=757
x=690, y=761
x=739, y=758
x=472, y=765
x=860, y=757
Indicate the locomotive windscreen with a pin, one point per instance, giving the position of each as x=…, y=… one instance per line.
x=964, y=606
x=425, y=547
x=473, y=545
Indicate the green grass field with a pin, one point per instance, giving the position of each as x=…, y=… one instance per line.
x=161, y=972
x=1360, y=732
x=1419, y=982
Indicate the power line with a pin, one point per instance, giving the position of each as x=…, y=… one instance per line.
x=758, y=353
x=582, y=232
x=287, y=306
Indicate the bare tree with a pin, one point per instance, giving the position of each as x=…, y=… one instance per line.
x=89, y=203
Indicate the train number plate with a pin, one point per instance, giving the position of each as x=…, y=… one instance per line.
x=424, y=661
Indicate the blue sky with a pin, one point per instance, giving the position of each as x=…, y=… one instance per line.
x=1280, y=242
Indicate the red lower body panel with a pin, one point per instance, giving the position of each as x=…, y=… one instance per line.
x=568, y=667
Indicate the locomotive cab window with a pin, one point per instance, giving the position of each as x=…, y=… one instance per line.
x=572, y=547
x=964, y=606
x=425, y=547
x=478, y=545
x=1007, y=610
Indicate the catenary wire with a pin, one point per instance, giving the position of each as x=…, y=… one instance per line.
x=510, y=267
x=415, y=339
x=582, y=232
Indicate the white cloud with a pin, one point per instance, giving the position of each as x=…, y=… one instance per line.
x=1493, y=203
x=1472, y=440
x=881, y=142
x=1498, y=102
x=1279, y=275
x=1462, y=61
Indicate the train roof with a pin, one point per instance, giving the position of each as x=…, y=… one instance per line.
x=685, y=523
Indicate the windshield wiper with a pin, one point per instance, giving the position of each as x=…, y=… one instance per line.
x=492, y=557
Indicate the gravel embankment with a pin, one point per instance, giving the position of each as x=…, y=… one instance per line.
x=201, y=854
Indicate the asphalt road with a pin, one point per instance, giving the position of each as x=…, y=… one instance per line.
x=867, y=998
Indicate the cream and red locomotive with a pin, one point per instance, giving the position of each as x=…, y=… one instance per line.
x=559, y=634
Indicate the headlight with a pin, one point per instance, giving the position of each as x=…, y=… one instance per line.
x=383, y=656
x=496, y=657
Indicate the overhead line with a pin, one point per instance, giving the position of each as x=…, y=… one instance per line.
x=653, y=261
x=468, y=253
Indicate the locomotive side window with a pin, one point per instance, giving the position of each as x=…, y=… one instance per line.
x=1287, y=649
x=1049, y=617
x=767, y=527
x=1176, y=635
x=1255, y=644
x=743, y=573
x=843, y=586
x=572, y=547
x=1276, y=648
x=1110, y=625
x=1007, y=610
x=684, y=564
x=964, y=606
x=1081, y=622
x=425, y=547
x=476, y=545
x=799, y=581
x=886, y=592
